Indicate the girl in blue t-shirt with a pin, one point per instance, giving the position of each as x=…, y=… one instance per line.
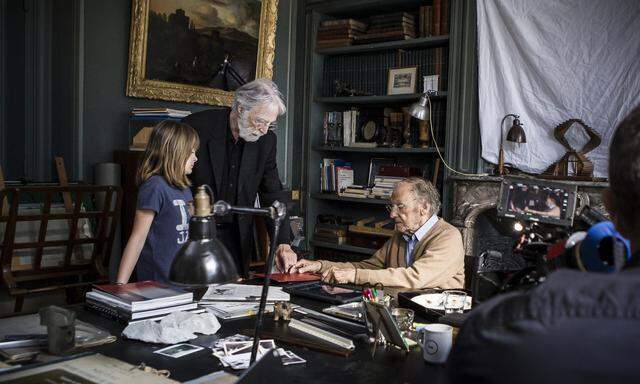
x=161, y=224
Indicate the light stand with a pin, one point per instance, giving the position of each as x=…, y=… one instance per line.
x=276, y=212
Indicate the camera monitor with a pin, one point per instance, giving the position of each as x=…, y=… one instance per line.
x=535, y=200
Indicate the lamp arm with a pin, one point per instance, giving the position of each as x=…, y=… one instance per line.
x=280, y=212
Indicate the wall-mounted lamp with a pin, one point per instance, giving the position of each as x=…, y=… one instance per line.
x=515, y=135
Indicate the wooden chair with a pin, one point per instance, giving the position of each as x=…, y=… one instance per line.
x=66, y=273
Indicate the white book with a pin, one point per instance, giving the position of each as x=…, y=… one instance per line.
x=242, y=292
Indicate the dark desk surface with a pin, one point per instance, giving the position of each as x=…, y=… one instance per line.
x=388, y=366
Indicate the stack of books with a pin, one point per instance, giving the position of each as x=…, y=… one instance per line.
x=338, y=33
x=158, y=114
x=357, y=191
x=384, y=185
x=389, y=27
x=144, y=300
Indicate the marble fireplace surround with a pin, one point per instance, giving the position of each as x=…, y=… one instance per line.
x=475, y=195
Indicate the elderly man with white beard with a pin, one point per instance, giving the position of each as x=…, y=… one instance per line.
x=238, y=161
x=424, y=252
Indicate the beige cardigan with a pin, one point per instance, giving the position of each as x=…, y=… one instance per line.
x=438, y=261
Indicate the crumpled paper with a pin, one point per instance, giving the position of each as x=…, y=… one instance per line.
x=174, y=328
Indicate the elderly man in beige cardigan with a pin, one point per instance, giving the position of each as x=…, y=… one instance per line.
x=424, y=252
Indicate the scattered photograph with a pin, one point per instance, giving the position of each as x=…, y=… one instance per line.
x=178, y=350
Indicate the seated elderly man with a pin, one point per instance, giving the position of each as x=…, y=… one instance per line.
x=424, y=252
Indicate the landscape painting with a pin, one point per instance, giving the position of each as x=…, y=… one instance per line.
x=179, y=47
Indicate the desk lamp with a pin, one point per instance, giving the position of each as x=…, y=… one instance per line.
x=204, y=260
x=515, y=135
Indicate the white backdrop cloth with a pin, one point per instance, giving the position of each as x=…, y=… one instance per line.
x=552, y=60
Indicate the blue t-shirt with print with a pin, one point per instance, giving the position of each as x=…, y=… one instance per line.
x=169, y=229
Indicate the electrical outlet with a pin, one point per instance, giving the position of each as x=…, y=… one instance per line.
x=295, y=195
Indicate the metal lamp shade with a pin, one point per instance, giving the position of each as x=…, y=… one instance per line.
x=516, y=133
x=420, y=109
x=203, y=259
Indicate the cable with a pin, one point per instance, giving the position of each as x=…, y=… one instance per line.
x=440, y=154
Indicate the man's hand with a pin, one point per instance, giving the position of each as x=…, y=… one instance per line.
x=285, y=258
x=306, y=266
x=339, y=276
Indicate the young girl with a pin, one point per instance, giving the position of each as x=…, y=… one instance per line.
x=161, y=224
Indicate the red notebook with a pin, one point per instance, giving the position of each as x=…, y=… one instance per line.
x=292, y=277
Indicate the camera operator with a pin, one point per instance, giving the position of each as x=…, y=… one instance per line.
x=576, y=327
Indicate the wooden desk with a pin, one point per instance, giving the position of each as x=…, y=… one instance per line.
x=388, y=366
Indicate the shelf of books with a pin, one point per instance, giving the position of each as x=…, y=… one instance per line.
x=378, y=150
x=376, y=99
x=347, y=199
x=366, y=67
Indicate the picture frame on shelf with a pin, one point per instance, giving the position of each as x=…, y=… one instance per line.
x=430, y=83
x=402, y=81
x=374, y=166
x=178, y=49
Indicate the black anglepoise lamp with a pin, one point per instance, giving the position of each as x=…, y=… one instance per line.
x=515, y=135
x=203, y=260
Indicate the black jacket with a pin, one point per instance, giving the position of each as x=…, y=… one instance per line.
x=576, y=327
x=258, y=172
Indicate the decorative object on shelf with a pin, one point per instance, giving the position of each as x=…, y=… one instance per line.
x=370, y=131
x=395, y=131
x=158, y=71
x=574, y=163
x=430, y=83
x=402, y=81
x=343, y=89
x=424, y=133
x=515, y=135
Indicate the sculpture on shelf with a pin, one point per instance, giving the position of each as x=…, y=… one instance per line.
x=574, y=163
x=342, y=88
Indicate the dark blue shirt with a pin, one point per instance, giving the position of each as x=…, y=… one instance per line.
x=169, y=229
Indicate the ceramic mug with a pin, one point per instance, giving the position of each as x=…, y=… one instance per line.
x=436, y=340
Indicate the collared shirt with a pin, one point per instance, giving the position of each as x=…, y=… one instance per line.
x=414, y=239
x=228, y=190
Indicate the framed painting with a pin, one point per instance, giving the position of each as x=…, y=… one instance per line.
x=178, y=48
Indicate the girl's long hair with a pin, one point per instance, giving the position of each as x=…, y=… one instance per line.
x=167, y=152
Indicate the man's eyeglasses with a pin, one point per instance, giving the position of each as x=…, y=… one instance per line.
x=271, y=125
x=399, y=207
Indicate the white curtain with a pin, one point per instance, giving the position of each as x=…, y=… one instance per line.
x=552, y=60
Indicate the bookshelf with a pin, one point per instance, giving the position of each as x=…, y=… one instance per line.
x=365, y=68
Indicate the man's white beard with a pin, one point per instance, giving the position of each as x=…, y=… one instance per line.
x=245, y=131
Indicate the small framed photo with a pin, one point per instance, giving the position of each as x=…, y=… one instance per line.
x=402, y=81
x=430, y=83
x=178, y=350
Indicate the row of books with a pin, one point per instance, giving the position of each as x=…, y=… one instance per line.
x=335, y=175
x=341, y=128
x=158, y=113
x=433, y=20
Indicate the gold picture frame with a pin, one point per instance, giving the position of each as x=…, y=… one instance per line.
x=140, y=86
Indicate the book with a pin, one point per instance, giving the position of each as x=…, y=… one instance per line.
x=140, y=296
x=242, y=292
x=121, y=315
x=230, y=310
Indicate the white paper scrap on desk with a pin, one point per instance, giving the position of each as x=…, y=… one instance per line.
x=175, y=328
x=243, y=292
